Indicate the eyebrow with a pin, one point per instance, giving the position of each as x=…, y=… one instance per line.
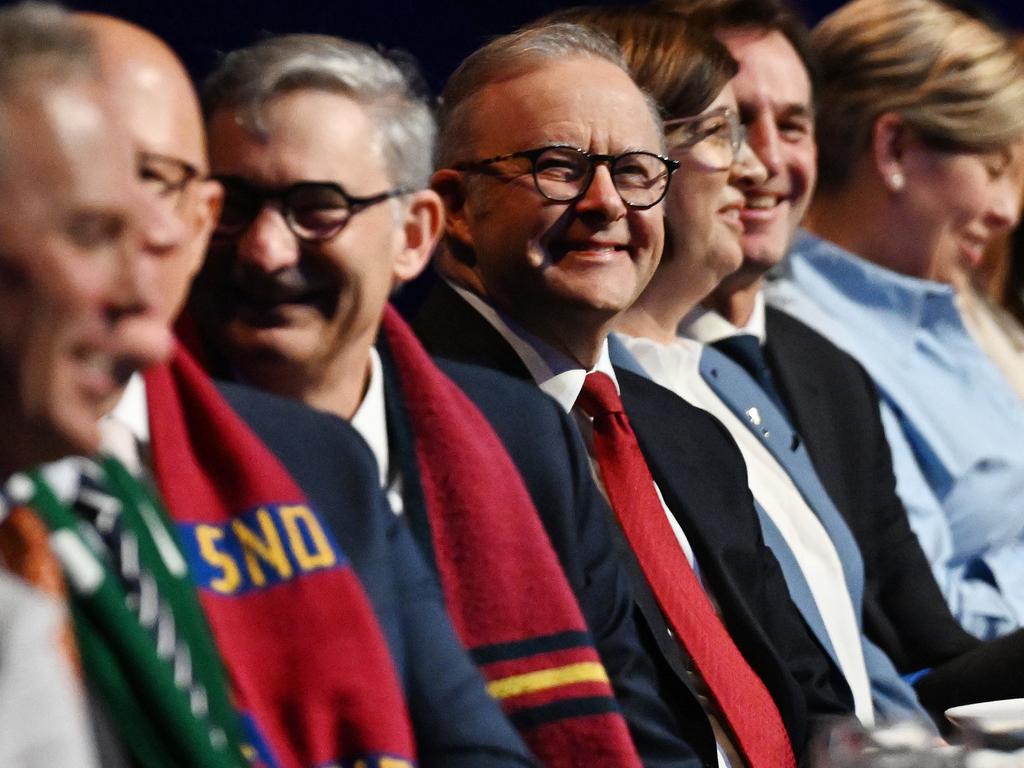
x=798, y=110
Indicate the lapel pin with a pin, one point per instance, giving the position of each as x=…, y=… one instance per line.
x=755, y=416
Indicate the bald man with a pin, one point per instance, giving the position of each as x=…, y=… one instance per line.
x=455, y=722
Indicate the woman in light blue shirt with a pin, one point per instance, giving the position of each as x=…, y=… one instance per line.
x=921, y=162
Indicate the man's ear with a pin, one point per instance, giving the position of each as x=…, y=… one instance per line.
x=208, y=197
x=422, y=224
x=451, y=186
x=890, y=136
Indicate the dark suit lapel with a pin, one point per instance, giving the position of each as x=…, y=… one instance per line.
x=799, y=384
x=450, y=328
x=402, y=452
x=804, y=384
x=671, y=457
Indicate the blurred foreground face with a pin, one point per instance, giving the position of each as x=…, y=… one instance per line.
x=65, y=230
x=773, y=91
x=549, y=262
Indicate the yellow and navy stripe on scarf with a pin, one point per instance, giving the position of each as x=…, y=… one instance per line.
x=245, y=527
x=525, y=632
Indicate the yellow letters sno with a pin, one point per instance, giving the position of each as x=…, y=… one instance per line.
x=267, y=548
x=296, y=517
x=208, y=536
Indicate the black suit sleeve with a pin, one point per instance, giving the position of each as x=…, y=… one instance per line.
x=703, y=479
x=826, y=695
x=456, y=723
x=545, y=445
x=836, y=408
x=896, y=569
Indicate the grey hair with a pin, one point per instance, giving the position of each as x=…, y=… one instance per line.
x=509, y=56
x=389, y=90
x=41, y=42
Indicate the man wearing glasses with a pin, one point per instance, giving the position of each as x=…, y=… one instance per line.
x=344, y=522
x=552, y=170
x=827, y=398
x=324, y=150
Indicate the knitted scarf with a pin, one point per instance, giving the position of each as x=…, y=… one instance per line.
x=504, y=588
x=307, y=663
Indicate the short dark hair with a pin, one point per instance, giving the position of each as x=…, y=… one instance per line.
x=678, y=63
x=768, y=15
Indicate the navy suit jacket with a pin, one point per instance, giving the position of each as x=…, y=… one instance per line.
x=703, y=479
x=834, y=403
x=456, y=723
x=546, y=449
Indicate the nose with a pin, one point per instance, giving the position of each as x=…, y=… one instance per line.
x=747, y=170
x=268, y=244
x=142, y=332
x=1004, y=212
x=601, y=198
x=763, y=138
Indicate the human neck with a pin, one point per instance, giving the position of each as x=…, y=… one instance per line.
x=735, y=302
x=338, y=387
x=657, y=313
x=872, y=234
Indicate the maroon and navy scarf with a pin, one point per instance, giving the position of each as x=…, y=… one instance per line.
x=307, y=662
x=508, y=597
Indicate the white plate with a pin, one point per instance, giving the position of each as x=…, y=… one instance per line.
x=998, y=717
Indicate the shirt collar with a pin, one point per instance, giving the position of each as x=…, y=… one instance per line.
x=370, y=418
x=556, y=373
x=905, y=300
x=708, y=326
x=132, y=410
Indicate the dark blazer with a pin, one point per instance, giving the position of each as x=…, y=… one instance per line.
x=456, y=722
x=835, y=406
x=542, y=441
x=703, y=480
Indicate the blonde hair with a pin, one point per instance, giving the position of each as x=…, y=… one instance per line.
x=956, y=81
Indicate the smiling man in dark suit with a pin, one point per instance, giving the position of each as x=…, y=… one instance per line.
x=324, y=148
x=552, y=177
x=832, y=401
x=330, y=517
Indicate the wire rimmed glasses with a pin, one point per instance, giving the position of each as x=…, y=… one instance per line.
x=713, y=138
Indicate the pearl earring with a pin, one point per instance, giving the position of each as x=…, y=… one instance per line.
x=896, y=181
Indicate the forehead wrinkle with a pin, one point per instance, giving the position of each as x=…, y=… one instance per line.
x=600, y=117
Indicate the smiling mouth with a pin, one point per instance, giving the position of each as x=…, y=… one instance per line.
x=598, y=252
x=762, y=202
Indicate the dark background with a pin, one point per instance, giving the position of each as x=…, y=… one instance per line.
x=440, y=33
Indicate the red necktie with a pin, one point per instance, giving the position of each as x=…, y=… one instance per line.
x=747, y=706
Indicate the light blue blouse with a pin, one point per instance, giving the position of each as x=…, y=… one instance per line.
x=955, y=426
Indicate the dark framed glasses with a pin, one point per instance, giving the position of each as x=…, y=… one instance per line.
x=314, y=211
x=713, y=138
x=167, y=177
x=563, y=174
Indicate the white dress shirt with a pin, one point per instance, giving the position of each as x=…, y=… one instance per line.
x=709, y=326
x=562, y=378
x=676, y=366
x=370, y=421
